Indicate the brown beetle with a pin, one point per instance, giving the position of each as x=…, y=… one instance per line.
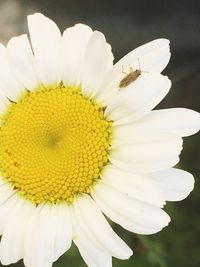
x=129, y=78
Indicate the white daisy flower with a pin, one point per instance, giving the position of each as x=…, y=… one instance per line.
x=79, y=139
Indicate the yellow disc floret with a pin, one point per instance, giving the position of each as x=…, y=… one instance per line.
x=53, y=144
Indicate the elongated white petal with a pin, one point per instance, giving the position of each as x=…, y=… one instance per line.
x=79, y=223
x=6, y=209
x=63, y=237
x=41, y=241
x=132, y=214
x=149, y=58
x=48, y=236
x=153, y=56
x=9, y=86
x=12, y=242
x=29, y=235
x=74, y=43
x=6, y=191
x=105, y=237
x=147, y=153
x=2, y=182
x=46, y=43
x=98, y=59
x=92, y=256
x=22, y=61
x=180, y=121
x=42, y=247
x=4, y=102
x=91, y=253
x=176, y=184
x=134, y=185
x=138, y=98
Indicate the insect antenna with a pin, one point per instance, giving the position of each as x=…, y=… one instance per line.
x=139, y=63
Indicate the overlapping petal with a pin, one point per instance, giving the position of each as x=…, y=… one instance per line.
x=10, y=88
x=5, y=192
x=98, y=60
x=175, y=184
x=149, y=58
x=46, y=43
x=63, y=236
x=179, y=121
x=139, y=98
x=48, y=235
x=74, y=43
x=132, y=214
x=137, y=186
x=146, y=153
x=92, y=254
x=22, y=61
x=41, y=245
x=12, y=241
x=90, y=218
x=6, y=208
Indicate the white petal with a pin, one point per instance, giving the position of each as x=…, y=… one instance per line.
x=138, y=98
x=176, y=184
x=6, y=208
x=6, y=191
x=63, y=238
x=79, y=223
x=22, y=61
x=4, y=102
x=132, y=214
x=46, y=43
x=92, y=254
x=151, y=57
x=29, y=234
x=41, y=244
x=119, y=218
x=104, y=236
x=134, y=185
x=74, y=44
x=12, y=242
x=98, y=59
x=2, y=182
x=9, y=86
x=180, y=121
x=147, y=153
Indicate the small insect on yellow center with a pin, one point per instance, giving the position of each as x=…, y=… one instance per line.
x=53, y=144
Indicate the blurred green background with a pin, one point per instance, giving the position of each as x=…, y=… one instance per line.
x=128, y=24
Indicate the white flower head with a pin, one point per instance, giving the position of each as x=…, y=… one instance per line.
x=79, y=139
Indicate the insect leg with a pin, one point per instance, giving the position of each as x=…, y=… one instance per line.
x=140, y=67
x=123, y=70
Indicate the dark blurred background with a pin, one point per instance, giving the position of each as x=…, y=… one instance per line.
x=126, y=25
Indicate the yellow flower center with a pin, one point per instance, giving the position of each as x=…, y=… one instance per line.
x=53, y=144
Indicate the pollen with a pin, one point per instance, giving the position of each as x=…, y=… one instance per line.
x=53, y=144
